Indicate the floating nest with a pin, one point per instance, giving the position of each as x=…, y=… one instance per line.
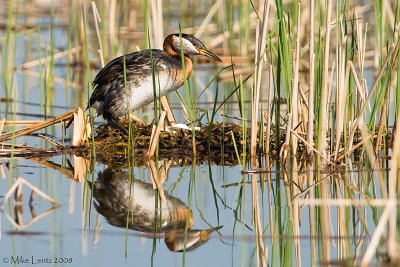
x=218, y=143
x=215, y=143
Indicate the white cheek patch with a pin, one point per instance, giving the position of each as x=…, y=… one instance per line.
x=188, y=47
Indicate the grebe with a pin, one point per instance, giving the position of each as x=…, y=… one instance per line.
x=113, y=100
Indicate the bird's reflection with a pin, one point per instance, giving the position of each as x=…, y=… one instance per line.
x=116, y=194
x=132, y=203
x=177, y=240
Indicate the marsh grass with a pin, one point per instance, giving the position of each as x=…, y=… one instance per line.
x=335, y=63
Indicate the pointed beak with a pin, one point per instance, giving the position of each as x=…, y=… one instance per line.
x=209, y=54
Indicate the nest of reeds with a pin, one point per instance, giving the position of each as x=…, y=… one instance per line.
x=219, y=143
x=216, y=142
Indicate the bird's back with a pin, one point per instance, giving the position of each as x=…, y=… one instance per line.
x=109, y=97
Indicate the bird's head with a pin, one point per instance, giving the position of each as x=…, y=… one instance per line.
x=190, y=46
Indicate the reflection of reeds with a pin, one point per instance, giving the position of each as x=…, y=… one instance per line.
x=157, y=180
x=21, y=181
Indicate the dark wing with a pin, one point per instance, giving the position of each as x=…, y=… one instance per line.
x=101, y=82
x=137, y=66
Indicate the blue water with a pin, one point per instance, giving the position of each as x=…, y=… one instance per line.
x=62, y=234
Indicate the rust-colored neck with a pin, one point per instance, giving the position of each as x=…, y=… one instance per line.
x=167, y=46
x=188, y=66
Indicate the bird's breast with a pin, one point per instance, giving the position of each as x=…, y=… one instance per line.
x=145, y=91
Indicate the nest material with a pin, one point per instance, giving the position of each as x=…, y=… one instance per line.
x=213, y=143
x=210, y=141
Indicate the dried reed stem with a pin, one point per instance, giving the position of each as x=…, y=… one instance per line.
x=112, y=36
x=256, y=88
x=295, y=91
x=342, y=77
x=392, y=55
x=267, y=116
x=310, y=123
x=375, y=202
x=323, y=122
x=154, y=139
x=208, y=18
x=310, y=146
x=38, y=62
x=97, y=20
x=168, y=110
x=2, y=123
x=20, y=122
x=35, y=127
x=81, y=128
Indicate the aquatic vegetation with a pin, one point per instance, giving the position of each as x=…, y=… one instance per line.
x=305, y=104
